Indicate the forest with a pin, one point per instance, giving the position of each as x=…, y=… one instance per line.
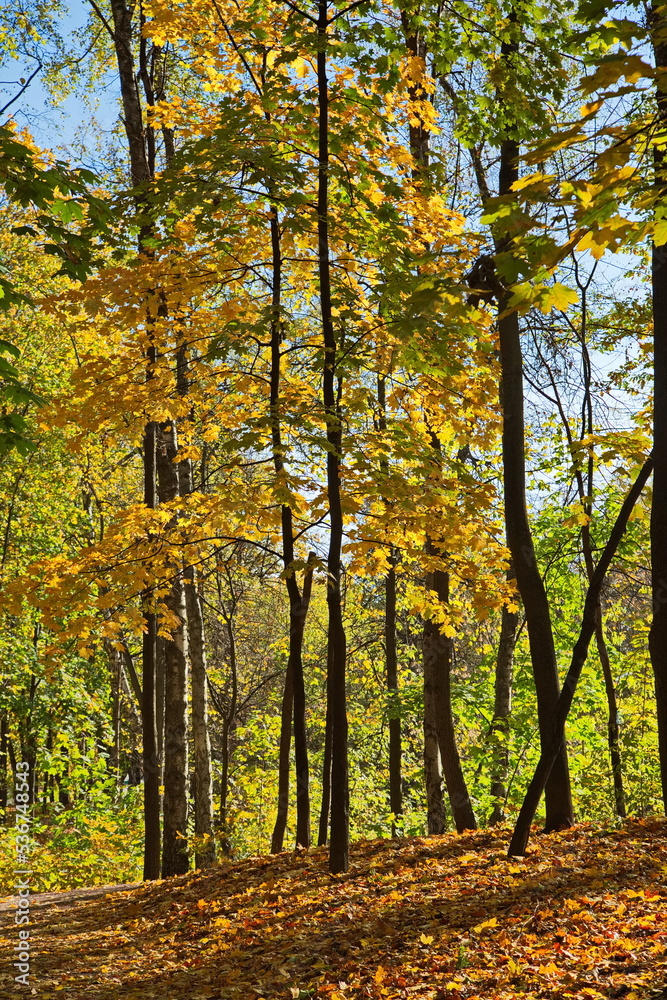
x=333, y=431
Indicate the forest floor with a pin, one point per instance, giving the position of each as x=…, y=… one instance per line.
x=584, y=915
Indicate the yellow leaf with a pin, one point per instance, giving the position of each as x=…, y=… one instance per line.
x=487, y=923
x=426, y=938
x=660, y=232
x=557, y=296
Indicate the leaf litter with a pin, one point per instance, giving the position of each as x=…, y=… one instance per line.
x=583, y=916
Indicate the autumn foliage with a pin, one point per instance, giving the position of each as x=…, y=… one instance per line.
x=583, y=916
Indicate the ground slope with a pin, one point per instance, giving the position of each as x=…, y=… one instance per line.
x=444, y=918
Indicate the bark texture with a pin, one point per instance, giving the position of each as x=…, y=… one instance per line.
x=436, y=817
x=175, y=775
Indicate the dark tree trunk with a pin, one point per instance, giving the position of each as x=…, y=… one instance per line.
x=502, y=710
x=658, y=634
x=3, y=766
x=613, y=735
x=559, y=812
x=395, y=789
x=278, y=836
x=556, y=726
x=436, y=818
x=298, y=602
x=390, y=652
x=151, y=761
x=115, y=658
x=339, y=842
x=325, y=806
x=438, y=651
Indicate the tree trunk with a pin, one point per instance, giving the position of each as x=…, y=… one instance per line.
x=502, y=710
x=395, y=789
x=436, y=817
x=205, y=850
x=559, y=812
x=658, y=634
x=438, y=650
x=141, y=172
x=325, y=806
x=175, y=778
x=283, y=762
x=3, y=766
x=612, y=717
x=603, y=655
x=151, y=759
x=175, y=859
x=298, y=602
x=203, y=774
x=339, y=842
x=115, y=659
x=556, y=725
x=391, y=658
x=228, y=718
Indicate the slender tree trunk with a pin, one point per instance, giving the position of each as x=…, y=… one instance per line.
x=559, y=812
x=225, y=754
x=613, y=734
x=175, y=778
x=175, y=859
x=115, y=660
x=502, y=710
x=658, y=634
x=395, y=789
x=436, y=817
x=227, y=724
x=613, y=740
x=339, y=843
x=278, y=836
x=390, y=652
x=3, y=766
x=556, y=725
x=205, y=851
x=196, y=634
x=298, y=611
x=438, y=650
x=141, y=172
x=298, y=602
x=420, y=138
x=160, y=671
x=325, y=806
x=28, y=746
